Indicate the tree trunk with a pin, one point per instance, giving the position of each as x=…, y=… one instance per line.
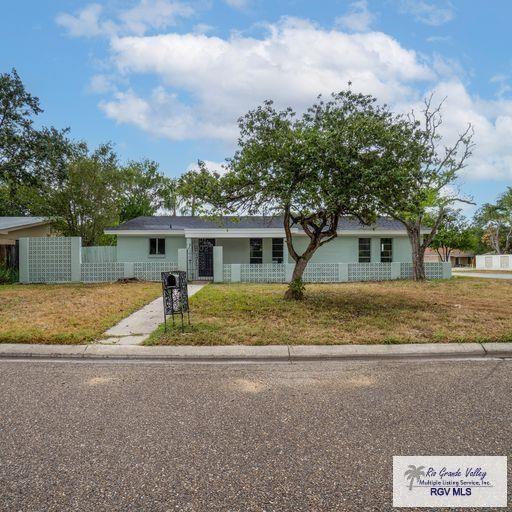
x=295, y=289
x=418, y=253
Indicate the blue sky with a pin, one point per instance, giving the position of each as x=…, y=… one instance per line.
x=167, y=79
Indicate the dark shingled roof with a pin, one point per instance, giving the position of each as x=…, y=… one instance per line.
x=254, y=222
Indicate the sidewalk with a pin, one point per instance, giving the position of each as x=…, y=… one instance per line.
x=136, y=328
x=277, y=353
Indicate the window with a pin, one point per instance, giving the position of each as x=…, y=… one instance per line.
x=365, y=250
x=157, y=246
x=386, y=250
x=277, y=250
x=256, y=250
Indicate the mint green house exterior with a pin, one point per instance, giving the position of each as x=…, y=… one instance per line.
x=254, y=249
x=344, y=249
x=228, y=250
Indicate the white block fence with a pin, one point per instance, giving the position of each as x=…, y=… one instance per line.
x=326, y=272
x=494, y=261
x=62, y=260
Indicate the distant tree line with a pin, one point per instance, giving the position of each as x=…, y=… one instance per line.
x=43, y=171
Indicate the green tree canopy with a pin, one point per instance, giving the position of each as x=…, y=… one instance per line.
x=26, y=153
x=454, y=233
x=85, y=199
x=495, y=220
x=142, y=190
x=312, y=169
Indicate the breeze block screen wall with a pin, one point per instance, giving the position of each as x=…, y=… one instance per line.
x=59, y=260
x=50, y=259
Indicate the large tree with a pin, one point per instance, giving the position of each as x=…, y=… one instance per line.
x=423, y=185
x=85, y=198
x=26, y=153
x=142, y=191
x=311, y=169
x=196, y=190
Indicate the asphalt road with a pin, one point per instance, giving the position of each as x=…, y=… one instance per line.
x=316, y=436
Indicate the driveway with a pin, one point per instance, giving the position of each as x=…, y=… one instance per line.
x=303, y=437
x=485, y=275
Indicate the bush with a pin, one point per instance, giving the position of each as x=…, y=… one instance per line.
x=8, y=275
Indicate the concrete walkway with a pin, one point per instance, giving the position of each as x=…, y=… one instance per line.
x=136, y=328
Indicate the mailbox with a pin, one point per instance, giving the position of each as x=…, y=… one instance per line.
x=175, y=296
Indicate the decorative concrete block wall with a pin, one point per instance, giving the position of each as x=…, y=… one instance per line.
x=330, y=272
x=58, y=260
x=50, y=260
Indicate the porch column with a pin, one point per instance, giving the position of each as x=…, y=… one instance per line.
x=190, y=260
x=218, y=264
x=24, y=275
x=76, y=259
x=182, y=260
x=285, y=251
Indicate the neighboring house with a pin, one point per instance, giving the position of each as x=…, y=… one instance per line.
x=457, y=258
x=254, y=240
x=14, y=228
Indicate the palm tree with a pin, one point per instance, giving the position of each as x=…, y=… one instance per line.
x=414, y=473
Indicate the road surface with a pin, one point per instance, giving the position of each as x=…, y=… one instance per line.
x=93, y=436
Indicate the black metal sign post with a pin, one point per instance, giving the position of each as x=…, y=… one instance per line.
x=175, y=296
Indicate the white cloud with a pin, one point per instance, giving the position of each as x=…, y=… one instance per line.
x=155, y=14
x=292, y=64
x=358, y=18
x=163, y=115
x=86, y=23
x=492, y=124
x=205, y=83
x=141, y=17
x=101, y=84
x=429, y=12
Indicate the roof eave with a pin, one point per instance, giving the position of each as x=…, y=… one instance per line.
x=8, y=230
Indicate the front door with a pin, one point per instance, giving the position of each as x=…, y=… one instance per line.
x=205, y=260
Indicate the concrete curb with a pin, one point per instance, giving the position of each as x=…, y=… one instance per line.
x=287, y=353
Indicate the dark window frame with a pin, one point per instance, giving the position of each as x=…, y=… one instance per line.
x=255, y=251
x=157, y=246
x=277, y=250
x=386, y=254
x=365, y=253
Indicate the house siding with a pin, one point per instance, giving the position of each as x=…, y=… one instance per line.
x=32, y=231
x=136, y=248
x=344, y=249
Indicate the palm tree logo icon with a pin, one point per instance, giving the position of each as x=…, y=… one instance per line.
x=414, y=473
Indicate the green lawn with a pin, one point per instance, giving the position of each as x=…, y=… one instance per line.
x=73, y=313
x=456, y=310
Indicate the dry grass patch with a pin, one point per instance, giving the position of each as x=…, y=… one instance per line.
x=458, y=310
x=73, y=313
